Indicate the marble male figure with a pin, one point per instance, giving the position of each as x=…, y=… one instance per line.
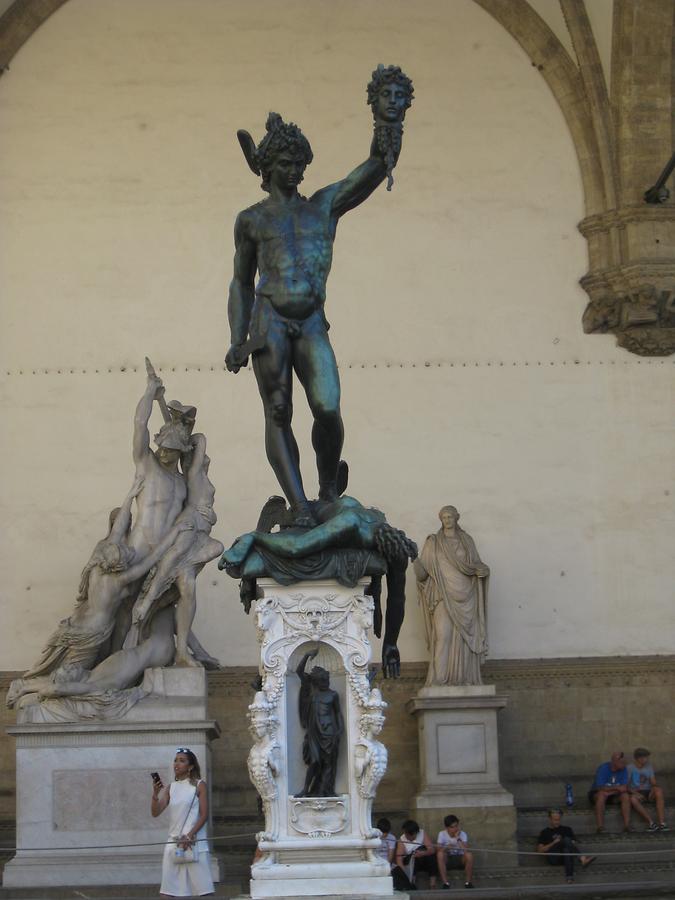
x=287, y=240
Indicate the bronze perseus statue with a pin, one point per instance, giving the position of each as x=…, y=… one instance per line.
x=287, y=241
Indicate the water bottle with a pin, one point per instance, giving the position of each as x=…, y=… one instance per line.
x=569, y=796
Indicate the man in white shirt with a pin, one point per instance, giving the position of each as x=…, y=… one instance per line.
x=452, y=852
x=414, y=853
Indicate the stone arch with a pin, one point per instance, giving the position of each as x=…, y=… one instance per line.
x=563, y=77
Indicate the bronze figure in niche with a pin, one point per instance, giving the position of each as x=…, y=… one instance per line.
x=320, y=716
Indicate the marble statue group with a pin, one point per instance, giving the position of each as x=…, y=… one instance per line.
x=137, y=594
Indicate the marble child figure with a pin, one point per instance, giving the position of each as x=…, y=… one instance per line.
x=287, y=240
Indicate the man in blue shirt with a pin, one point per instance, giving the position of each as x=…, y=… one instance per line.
x=611, y=782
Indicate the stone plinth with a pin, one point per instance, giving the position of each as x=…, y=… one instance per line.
x=316, y=846
x=459, y=764
x=84, y=788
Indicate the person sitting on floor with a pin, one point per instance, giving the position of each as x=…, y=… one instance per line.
x=611, y=781
x=642, y=786
x=452, y=851
x=559, y=844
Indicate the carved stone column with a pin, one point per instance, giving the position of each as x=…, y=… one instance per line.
x=315, y=846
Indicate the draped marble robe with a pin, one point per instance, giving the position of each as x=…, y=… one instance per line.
x=453, y=599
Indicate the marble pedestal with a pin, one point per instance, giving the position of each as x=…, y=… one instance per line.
x=459, y=764
x=84, y=788
x=316, y=846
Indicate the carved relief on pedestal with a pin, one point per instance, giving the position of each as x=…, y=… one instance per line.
x=370, y=758
x=318, y=816
x=264, y=760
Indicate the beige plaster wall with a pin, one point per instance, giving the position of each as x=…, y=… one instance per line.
x=454, y=304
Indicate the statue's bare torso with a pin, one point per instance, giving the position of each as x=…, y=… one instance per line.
x=157, y=505
x=294, y=251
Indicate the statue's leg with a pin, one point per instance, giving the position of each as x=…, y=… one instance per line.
x=274, y=374
x=316, y=367
x=313, y=771
x=443, y=641
x=185, y=613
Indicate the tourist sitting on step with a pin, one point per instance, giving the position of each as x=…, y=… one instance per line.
x=610, y=784
x=642, y=787
x=452, y=851
x=414, y=854
x=559, y=844
x=387, y=849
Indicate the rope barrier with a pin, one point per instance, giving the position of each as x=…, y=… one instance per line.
x=229, y=837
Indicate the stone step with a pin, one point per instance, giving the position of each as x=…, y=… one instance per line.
x=509, y=885
x=518, y=878
x=581, y=819
x=118, y=892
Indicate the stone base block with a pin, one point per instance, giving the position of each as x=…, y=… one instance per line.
x=83, y=788
x=459, y=767
x=333, y=896
x=77, y=867
x=302, y=884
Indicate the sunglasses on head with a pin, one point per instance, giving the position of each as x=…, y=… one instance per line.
x=183, y=750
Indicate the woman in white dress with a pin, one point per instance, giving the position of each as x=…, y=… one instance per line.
x=187, y=800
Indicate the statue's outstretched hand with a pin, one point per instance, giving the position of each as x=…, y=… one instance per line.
x=155, y=385
x=391, y=661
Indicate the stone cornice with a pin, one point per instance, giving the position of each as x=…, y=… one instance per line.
x=616, y=669
x=627, y=215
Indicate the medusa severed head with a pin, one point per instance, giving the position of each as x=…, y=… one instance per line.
x=390, y=94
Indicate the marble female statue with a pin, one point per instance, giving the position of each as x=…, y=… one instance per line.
x=452, y=586
x=191, y=549
x=121, y=670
